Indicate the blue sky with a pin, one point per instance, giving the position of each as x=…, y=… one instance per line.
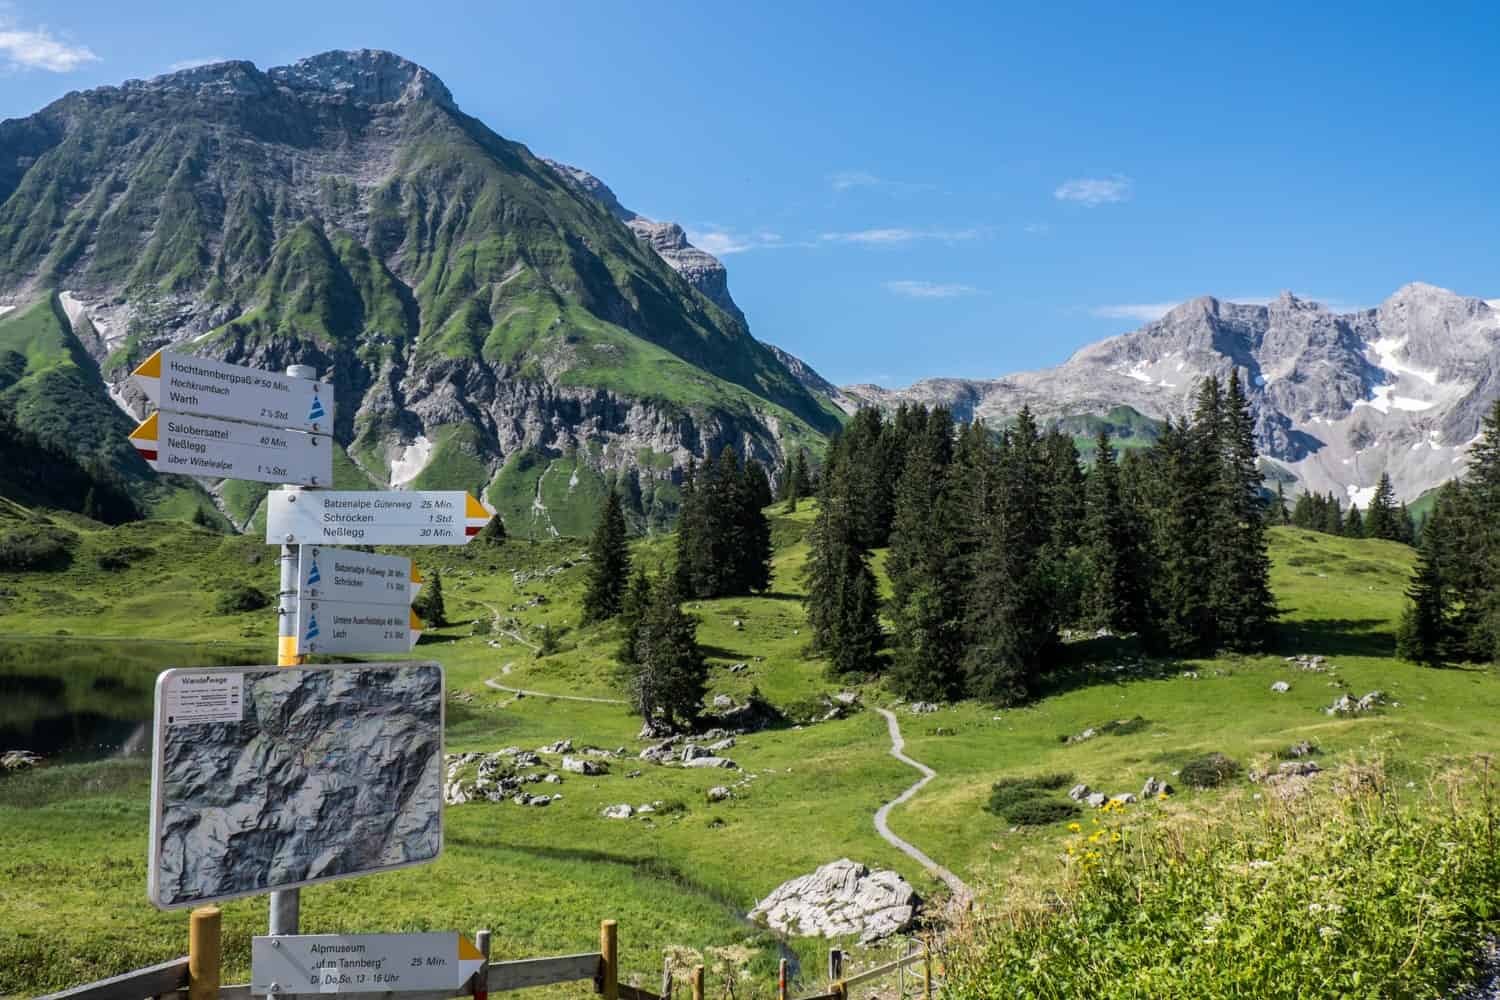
x=971, y=190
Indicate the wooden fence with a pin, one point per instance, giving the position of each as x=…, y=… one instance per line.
x=196, y=976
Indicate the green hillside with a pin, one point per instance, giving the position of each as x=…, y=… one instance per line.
x=542, y=878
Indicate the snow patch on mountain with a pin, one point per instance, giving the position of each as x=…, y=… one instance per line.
x=411, y=460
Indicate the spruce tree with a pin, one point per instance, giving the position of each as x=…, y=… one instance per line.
x=841, y=593
x=1113, y=595
x=1279, y=512
x=633, y=605
x=751, y=550
x=429, y=603
x=1423, y=634
x=1244, y=606
x=1176, y=480
x=1380, y=519
x=1333, y=516
x=758, y=483
x=670, y=673
x=1354, y=525
x=609, y=563
x=1406, y=528
x=493, y=532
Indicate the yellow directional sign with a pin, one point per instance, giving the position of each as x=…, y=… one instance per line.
x=207, y=388
x=368, y=517
x=223, y=449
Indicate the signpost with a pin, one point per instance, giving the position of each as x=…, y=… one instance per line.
x=342, y=575
x=330, y=517
x=186, y=384
x=328, y=627
x=362, y=963
x=208, y=446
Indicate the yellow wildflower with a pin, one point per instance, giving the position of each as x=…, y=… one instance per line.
x=1074, y=827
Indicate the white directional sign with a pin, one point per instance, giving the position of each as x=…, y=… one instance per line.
x=189, y=384
x=339, y=627
x=330, y=574
x=334, y=517
x=205, y=446
x=361, y=963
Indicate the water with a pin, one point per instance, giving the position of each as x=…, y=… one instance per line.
x=78, y=699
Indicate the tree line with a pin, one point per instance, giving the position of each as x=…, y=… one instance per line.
x=999, y=539
x=1383, y=518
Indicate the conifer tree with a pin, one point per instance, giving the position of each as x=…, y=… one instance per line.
x=1176, y=481
x=633, y=605
x=692, y=532
x=1113, y=597
x=493, y=532
x=841, y=593
x=429, y=603
x=750, y=546
x=758, y=483
x=1333, y=516
x=670, y=673
x=1406, y=528
x=1380, y=518
x=1423, y=634
x=609, y=563
x=1354, y=525
x=1244, y=607
x=1279, y=513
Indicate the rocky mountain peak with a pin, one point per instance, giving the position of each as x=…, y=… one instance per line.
x=364, y=76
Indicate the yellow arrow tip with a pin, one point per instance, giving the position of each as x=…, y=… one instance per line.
x=475, y=509
x=147, y=430
x=416, y=574
x=416, y=623
x=466, y=950
x=150, y=368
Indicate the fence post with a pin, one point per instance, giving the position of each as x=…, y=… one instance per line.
x=482, y=977
x=666, y=978
x=697, y=982
x=835, y=964
x=204, y=954
x=609, y=948
x=781, y=981
x=927, y=970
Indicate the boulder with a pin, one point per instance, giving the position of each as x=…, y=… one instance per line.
x=1281, y=687
x=1370, y=701
x=693, y=751
x=622, y=811
x=1096, y=799
x=921, y=707
x=718, y=793
x=582, y=765
x=527, y=759
x=659, y=754
x=710, y=762
x=561, y=746
x=1078, y=792
x=1298, y=768
x=1302, y=748
x=840, y=899
x=723, y=701
x=727, y=743
x=1153, y=788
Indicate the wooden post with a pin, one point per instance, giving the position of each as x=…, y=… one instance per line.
x=609, y=948
x=697, y=982
x=781, y=981
x=204, y=954
x=666, y=978
x=927, y=971
x=482, y=977
x=835, y=964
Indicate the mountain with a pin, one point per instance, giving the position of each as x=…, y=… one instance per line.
x=488, y=323
x=1339, y=398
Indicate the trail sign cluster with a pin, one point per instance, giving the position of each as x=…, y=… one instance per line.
x=231, y=422
x=355, y=602
x=330, y=517
x=362, y=963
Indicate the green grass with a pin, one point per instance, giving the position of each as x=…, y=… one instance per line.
x=542, y=878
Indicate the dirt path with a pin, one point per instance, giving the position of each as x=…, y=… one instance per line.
x=496, y=685
x=883, y=828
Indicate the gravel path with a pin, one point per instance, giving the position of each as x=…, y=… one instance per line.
x=883, y=828
x=1486, y=985
x=492, y=683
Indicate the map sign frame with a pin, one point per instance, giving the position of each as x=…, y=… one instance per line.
x=267, y=778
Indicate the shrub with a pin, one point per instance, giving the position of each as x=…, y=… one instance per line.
x=240, y=597
x=1040, y=812
x=1024, y=801
x=121, y=557
x=671, y=806
x=1209, y=771
x=36, y=547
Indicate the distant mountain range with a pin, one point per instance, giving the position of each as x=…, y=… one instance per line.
x=500, y=322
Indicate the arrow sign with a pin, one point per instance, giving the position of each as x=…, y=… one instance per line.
x=343, y=627
x=187, y=384
x=330, y=574
x=361, y=963
x=332, y=517
x=204, y=446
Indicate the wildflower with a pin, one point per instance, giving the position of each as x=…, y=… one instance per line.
x=1075, y=827
x=1161, y=796
x=1327, y=933
x=1114, y=838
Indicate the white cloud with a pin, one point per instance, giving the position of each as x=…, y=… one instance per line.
x=1094, y=191
x=930, y=289
x=846, y=179
x=1145, y=312
x=896, y=234
x=183, y=64
x=720, y=242
x=39, y=49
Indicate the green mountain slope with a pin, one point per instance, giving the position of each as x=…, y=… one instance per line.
x=342, y=212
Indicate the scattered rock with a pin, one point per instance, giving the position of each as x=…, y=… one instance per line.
x=718, y=793
x=738, y=624
x=1096, y=799
x=19, y=760
x=692, y=752
x=737, y=668
x=1312, y=664
x=710, y=762
x=723, y=701
x=1346, y=705
x=1299, y=768
x=842, y=898
x=527, y=759
x=1281, y=687
x=921, y=707
x=1153, y=788
x=552, y=779
x=581, y=765
x=654, y=729
x=644, y=808
x=1078, y=792
x=727, y=743
x=1124, y=798
x=622, y=811
x=561, y=746
x=1190, y=674
x=1302, y=748
x=634, y=774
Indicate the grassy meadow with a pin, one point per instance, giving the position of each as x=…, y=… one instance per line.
x=73, y=838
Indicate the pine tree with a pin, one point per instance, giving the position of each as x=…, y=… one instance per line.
x=841, y=593
x=1354, y=525
x=1175, y=482
x=633, y=605
x=1380, y=518
x=1113, y=595
x=751, y=550
x=694, y=530
x=1406, y=528
x=1333, y=517
x=1279, y=512
x=1244, y=607
x=758, y=483
x=1423, y=634
x=429, y=603
x=670, y=673
x=609, y=563
x=493, y=532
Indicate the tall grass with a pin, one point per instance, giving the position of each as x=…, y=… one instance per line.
x=1348, y=887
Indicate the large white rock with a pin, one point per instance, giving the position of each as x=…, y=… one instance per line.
x=841, y=898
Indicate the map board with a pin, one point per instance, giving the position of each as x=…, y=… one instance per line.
x=269, y=778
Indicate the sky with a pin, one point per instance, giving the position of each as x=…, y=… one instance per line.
x=902, y=191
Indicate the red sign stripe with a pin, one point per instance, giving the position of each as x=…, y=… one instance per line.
x=471, y=530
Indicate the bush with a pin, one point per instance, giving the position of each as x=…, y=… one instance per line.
x=1024, y=801
x=1209, y=771
x=241, y=597
x=1040, y=812
x=36, y=547
x=122, y=557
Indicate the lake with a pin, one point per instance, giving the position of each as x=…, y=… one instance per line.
x=76, y=699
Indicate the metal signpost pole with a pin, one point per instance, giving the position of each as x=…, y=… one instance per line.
x=286, y=904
